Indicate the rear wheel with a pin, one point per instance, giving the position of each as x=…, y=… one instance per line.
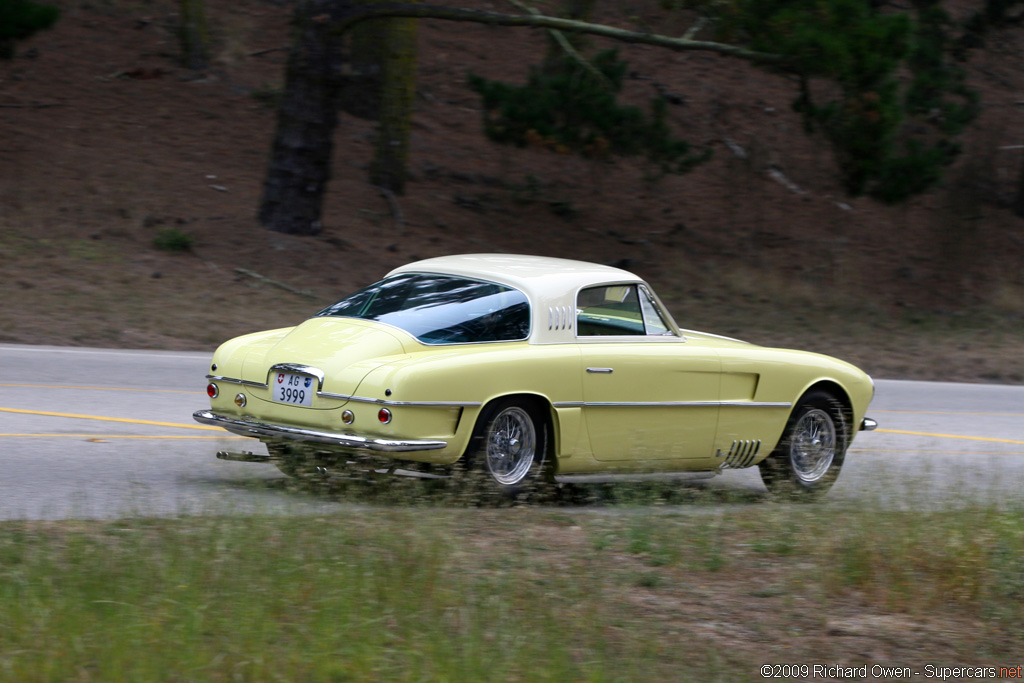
x=509, y=454
x=808, y=459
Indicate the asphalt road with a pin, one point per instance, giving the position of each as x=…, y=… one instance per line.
x=93, y=433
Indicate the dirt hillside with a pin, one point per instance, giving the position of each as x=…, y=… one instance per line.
x=107, y=142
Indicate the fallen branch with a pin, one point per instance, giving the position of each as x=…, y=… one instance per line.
x=287, y=288
x=780, y=177
x=566, y=46
x=363, y=12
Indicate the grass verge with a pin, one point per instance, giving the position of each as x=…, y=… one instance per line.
x=624, y=592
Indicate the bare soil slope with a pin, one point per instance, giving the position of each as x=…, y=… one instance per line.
x=106, y=142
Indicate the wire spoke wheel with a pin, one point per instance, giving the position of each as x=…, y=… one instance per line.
x=511, y=446
x=807, y=460
x=813, y=446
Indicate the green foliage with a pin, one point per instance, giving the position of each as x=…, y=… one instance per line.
x=570, y=109
x=19, y=19
x=892, y=134
x=171, y=239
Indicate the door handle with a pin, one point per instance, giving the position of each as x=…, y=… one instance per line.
x=600, y=371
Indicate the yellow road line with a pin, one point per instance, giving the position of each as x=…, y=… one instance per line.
x=936, y=451
x=61, y=386
x=179, y=425
x=949, y=436
x=943, y=412
x=118, y=436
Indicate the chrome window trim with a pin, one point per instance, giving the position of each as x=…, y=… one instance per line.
x=675, y=333
x=644, y=292
x=640, y=339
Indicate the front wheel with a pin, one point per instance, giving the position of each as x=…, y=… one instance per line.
x=808, y=459
x=510, y=449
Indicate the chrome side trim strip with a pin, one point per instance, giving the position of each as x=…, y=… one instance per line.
x=414, y=404
x=651, y=404
x=232, y=380
x=600, y=371
x=301, y=370
x=346, y=397
x=262, y=429
x=669, y=404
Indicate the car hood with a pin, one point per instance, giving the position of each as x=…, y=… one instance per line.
x=343, y=349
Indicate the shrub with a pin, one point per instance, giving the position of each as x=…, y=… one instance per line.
x=572, y=109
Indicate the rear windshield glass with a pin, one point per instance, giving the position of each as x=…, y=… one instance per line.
x=441, y=309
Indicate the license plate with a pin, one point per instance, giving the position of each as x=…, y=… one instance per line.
x=297, y=390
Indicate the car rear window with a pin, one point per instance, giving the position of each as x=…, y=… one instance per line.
x=441, y=309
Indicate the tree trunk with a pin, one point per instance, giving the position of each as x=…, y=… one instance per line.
x=366, y=52
x=1018, y=201
x=398, y=91
x=300, y=164
x=192, y=34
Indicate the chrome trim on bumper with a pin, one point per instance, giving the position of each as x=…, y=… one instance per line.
x=296, y=369
x=232, y=380
x=273, y=431
x=868, y=425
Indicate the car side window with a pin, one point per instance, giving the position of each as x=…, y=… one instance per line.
x=609, y=310
x=652, y=316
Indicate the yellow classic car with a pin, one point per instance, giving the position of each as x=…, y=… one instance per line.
x=527, y=369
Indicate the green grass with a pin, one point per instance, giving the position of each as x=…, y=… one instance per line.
x=416, y=593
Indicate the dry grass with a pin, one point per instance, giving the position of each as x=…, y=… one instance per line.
x=648, y=592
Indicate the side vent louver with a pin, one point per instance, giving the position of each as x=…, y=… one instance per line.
x=741, y=454
x=560, y=318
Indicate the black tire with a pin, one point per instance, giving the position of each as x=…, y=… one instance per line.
x=509, y=452
x=810, y=455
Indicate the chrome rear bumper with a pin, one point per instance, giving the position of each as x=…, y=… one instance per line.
x=868, y=425
x=273, y=431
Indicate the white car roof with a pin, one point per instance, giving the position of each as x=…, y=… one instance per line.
x=540, y=276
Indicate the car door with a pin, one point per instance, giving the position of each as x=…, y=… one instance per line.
x=648, y=395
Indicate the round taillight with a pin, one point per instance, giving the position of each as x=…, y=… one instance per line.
x=212, y=391
x=348, y=417
x=240, y=400
x=384, y=415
